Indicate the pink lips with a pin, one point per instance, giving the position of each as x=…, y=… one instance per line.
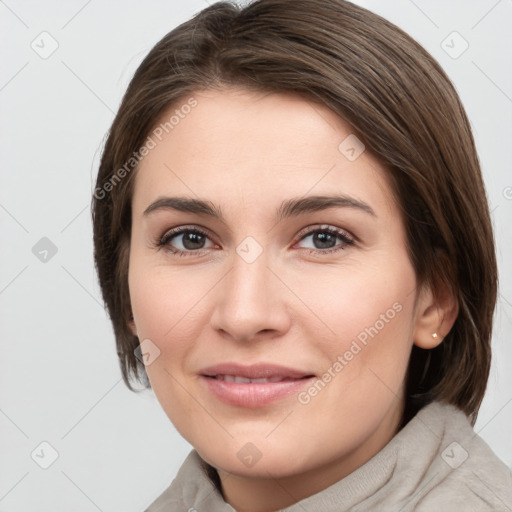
x=233, y=383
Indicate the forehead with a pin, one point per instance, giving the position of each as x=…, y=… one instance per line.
x=250, y=150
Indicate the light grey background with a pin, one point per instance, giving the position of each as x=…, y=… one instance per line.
x=59, y=376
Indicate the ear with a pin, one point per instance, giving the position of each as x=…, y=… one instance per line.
x=131, y=324
x=435, y=316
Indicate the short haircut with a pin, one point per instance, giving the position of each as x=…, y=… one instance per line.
x=402, y=106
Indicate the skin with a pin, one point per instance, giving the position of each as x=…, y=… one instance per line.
x=247, y=152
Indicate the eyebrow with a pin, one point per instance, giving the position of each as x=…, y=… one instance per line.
x=289, y=208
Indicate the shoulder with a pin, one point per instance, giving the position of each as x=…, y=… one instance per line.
x=465, y=472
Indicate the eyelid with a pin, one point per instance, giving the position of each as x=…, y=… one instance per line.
x=178, y=230
x=309, y=230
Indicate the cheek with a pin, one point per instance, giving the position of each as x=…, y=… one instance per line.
x=168, y=309
x=160, y=307
x=164, y=302
x=358, y=301
x=367, y=324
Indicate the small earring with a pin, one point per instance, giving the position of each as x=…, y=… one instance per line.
x=435, y=335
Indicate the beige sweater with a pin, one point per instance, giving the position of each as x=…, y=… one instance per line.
x=436, y=463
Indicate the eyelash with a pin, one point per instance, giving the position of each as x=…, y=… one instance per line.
x=342, y=235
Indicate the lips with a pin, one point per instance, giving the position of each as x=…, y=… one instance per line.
x=244, y=380
x=272, y=372
x=253, y=386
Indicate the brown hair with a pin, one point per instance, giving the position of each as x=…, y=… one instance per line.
x=402, y=105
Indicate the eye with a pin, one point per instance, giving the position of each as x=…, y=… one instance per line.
x=192, y=241
x=324, y=239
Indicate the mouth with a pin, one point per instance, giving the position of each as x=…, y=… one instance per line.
x=255, y=372
x=253, y=386
x=245, y=380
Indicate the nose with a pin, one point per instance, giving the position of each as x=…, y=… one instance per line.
x=251, y=301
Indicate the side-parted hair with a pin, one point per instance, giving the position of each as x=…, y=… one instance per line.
x=402, y=106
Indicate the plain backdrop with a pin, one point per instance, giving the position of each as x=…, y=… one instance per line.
x=64, y=68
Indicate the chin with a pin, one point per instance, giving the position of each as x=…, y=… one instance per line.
x=256, y=460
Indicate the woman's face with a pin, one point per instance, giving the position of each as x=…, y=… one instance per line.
x=301, y=280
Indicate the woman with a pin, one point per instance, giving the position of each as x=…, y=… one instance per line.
x=293, y=241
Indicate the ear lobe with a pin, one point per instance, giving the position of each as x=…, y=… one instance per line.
x=435, y=316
